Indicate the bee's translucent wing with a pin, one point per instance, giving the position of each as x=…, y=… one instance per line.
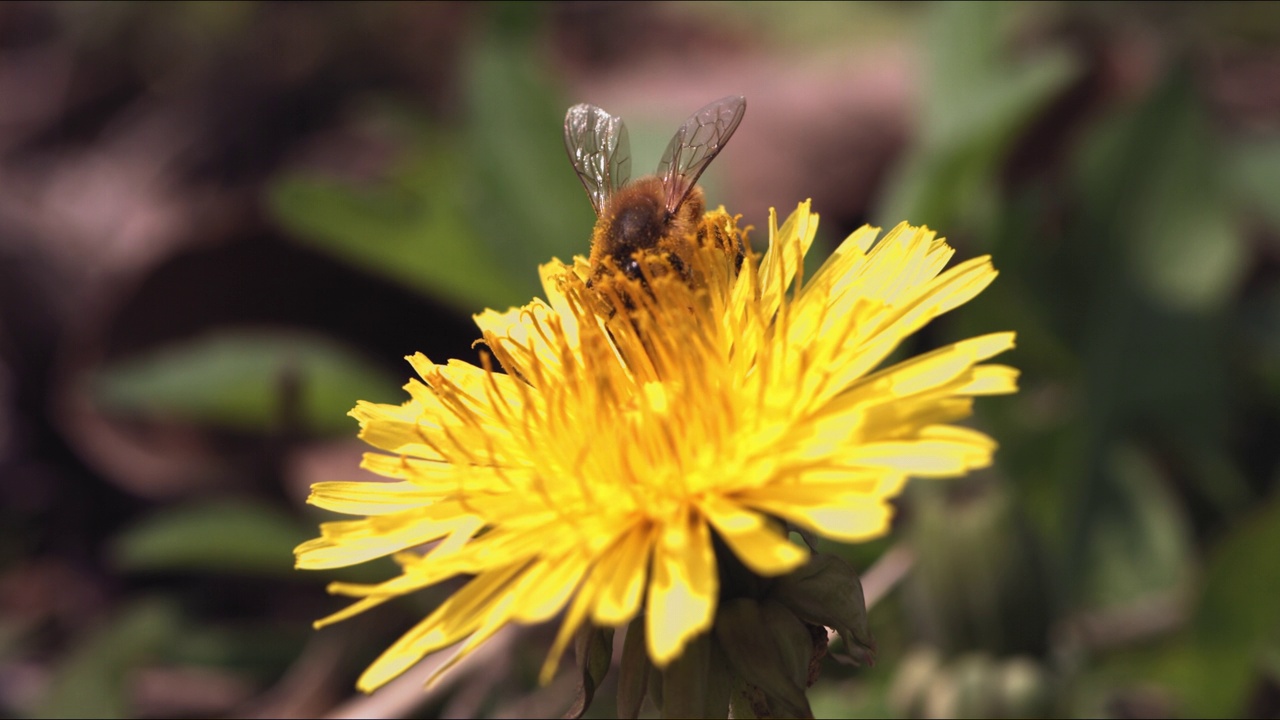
x=696, y=144
x=599, y=150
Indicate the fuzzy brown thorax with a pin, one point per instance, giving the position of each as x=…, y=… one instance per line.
x=636, y=220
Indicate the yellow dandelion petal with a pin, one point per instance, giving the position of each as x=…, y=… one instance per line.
x=365, y=498
x=845, y=516
x=682, y=589
x=937, y=368
x=622, y=439
x=456, y=618
x=434, y=477
x=785, y=257
x=621, y=578
x=355, y=541
x=759, y=543
x=573, y=620
x=923, y=457
x=547, y=586
x=395, y=429
x=990, y=380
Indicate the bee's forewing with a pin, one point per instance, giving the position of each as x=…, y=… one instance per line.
x=696, y=144
x=599, y=151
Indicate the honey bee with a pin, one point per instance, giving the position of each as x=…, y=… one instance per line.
x=661, y=212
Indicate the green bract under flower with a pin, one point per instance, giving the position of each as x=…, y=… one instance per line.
x=635, y=419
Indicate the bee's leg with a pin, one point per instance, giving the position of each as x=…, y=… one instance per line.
x=606, y=292
x=678, y=265
x=720, y=240
x=631, y=268
x=704, y=240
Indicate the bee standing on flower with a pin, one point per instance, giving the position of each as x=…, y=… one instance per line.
x=660, y=213
x=643, y=472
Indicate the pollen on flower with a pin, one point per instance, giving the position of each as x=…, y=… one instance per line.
x=631, y=423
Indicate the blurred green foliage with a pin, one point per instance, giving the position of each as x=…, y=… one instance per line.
x=472, y=209
x=976, y=103
x=252, y=539
x=1125, y=285
x=247, y=380
x=93, y=680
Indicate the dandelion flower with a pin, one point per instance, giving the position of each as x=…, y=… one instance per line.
x=635, y=424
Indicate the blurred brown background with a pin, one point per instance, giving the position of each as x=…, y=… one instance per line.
x=223, y=223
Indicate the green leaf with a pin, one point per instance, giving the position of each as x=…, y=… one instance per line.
x=470, y=212
x=1150, y=260
x=978, y=580
x=634, y=670
x=240, y=538
x=1155, y=187
x=593, y=647
x=1262, y=326
x=766, y=646
x=1236, y=626
x=684, y=681
x=1211, y=664
x=92, y=681
x=1253, y=173
x=247, y=381
x=1140, y=542
x=1186, y=251
x=826, y=591
x=414, y=228
x=977, y=103
x=525, y=198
